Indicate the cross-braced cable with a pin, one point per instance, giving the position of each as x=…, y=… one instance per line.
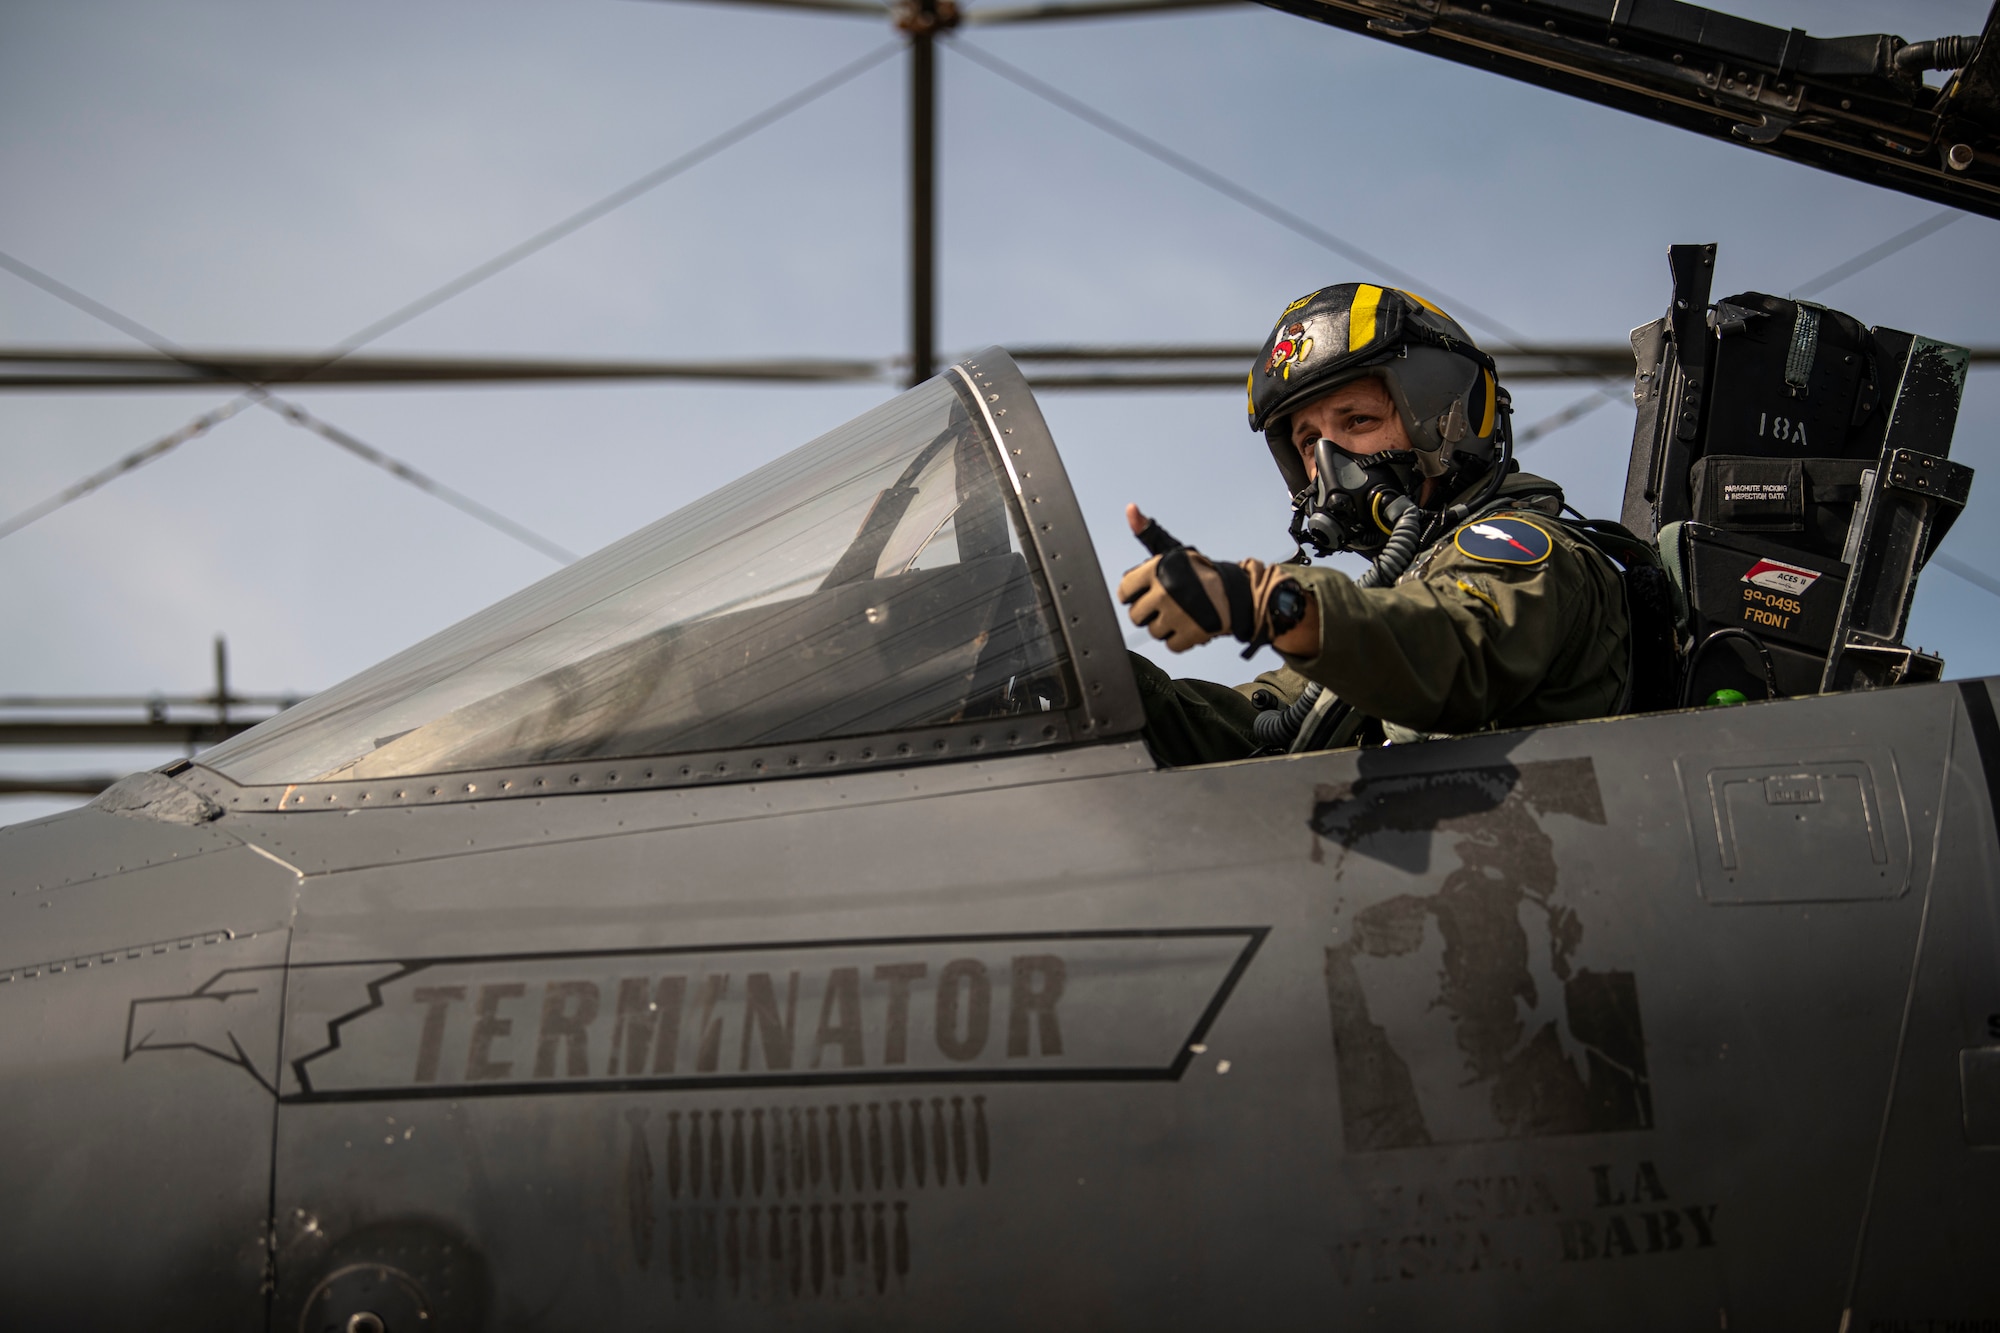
x=472, y=277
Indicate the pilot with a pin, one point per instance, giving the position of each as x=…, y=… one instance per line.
x=1481, y=609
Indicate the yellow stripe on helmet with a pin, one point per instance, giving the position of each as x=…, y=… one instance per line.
x=1492, y=405
x=1250, y=393
x=1425, y=304
x=1361, y=317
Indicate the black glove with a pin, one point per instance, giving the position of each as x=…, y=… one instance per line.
x=1183, y=598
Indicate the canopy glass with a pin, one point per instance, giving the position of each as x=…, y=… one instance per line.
x=875, y=580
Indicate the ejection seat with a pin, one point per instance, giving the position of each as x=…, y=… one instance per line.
x=1793, y=466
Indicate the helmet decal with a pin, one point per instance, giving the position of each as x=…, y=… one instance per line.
x=1289, y=350
x=1299, y=304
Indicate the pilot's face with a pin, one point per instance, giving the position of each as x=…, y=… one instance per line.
x=1359, y=416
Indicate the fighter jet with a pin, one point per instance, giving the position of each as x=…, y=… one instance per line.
x=777, y=919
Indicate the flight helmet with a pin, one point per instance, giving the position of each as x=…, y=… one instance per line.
x=1442, y=384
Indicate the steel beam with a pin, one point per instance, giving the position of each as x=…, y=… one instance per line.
x=923, y=192
x=83, y=784
x=1112, y=367
x=96, y=731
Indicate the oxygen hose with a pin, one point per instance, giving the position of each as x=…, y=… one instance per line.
x=1398, y=551
x=1276, y=727
x=1941, y=53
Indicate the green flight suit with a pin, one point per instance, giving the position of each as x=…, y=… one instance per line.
x=1194, y=721
x=1458, y=644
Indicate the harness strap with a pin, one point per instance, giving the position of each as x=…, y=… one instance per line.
x=1652, y=665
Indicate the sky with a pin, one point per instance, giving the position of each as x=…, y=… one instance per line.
x=278, y=175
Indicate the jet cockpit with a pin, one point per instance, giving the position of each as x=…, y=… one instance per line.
x=913, y=585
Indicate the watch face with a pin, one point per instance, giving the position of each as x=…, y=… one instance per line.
x=1288, y=606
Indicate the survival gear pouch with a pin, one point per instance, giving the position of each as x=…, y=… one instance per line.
x=1793, y=467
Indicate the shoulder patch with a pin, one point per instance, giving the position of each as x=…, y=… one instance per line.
x=1504, y=541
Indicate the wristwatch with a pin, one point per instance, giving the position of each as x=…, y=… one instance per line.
x=1286, y=608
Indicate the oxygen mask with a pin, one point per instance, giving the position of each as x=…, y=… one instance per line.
x=1353, y=500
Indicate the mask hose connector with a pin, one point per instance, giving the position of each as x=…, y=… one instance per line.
x=1405, y=533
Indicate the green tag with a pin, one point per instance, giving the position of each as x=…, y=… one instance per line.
x=1726, y=697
